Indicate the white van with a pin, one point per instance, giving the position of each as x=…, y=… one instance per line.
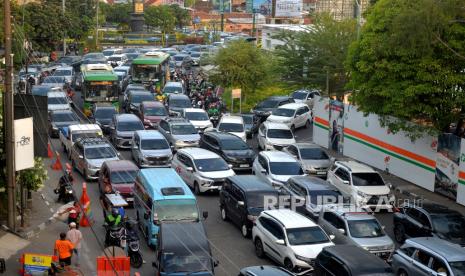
x=69, y=135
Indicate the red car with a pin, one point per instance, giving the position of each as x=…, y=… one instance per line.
x=151, y=113
x=121, y=175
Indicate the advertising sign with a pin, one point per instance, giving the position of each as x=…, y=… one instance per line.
x=24, y=144
x=262, y=6
x=226, y=5
x=447, y=165
x=288, y=8
x=236, y=93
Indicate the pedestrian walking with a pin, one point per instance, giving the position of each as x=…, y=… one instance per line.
x=75, y=237
x=64, y=249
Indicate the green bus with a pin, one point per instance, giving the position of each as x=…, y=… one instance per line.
x=99, y=84
x=151, y=67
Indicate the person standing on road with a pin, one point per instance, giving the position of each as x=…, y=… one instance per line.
x=64, y=249
x=75, y=236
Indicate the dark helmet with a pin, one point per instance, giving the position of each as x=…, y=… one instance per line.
x=114, y=211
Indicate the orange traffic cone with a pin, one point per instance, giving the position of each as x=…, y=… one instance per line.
x=86, y=219
x=57, y=165
x=49, y=151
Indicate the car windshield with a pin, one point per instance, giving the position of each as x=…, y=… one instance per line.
x=248, y=120
x=367, y=179
x=99, y=152
x=180, y=103
x=234, y=144
x=306, y=235
x=138, y=98
x=183, y=129
x=195, y=55
x=154, y=144
x=211, y=165
x=197, y=116
x=64, y=117
x=258, y=199
x=268, y=104
x=54, y=80
x=286, y=168
x=107, y=53
x=458, y=268
x=60, y=73
x=300, y=95
x=184, y=264
x=320, y=197
x=366, y=228
x=155, y=111
x=284, y=112
x=114, y=58
x=313, y=154
x=130, y=126
x=57, y=100
x=121, y=177
x=172, y=89
x=104, y=113
x=86, y=135
x=179, y=58
x=231, y=127
x=176, y=209
x=280, y=133
x=449, y=226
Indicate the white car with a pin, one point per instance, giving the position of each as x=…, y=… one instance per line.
x=232, y=124
x=276, y=167
x=117, y=60
x=201, y=169
x=289, y=238
x=58, y=101
x=173, y=87
x=305, y=96
x=198, y=117
x=65, y=71
x=362, y=184
x=274, y=136
x=294, y=115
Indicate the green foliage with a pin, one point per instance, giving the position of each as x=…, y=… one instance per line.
x=310, y=56
x=161, y=17
x=117, y=13
x=409, y=64
x=35, y=177
x=244, y=66
x=181, y=15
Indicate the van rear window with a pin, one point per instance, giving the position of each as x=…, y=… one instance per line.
x=172, y=191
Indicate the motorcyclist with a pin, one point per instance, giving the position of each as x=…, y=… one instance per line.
x=160, y=96
x=64, y=180
x=113, y=222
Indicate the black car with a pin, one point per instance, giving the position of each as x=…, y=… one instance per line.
x=176, y=103
x=134, y=99
x=250, y=123
x=265, y=270
x=347, y=260
x=264, y=108
x=231, y=148
x=102, y=115
x=429, y=220
x=243, y=198
x=60, y=119
x=183, y=249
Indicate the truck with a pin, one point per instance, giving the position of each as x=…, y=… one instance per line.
x=69, y=135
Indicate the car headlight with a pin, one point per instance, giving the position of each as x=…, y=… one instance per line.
x=231, y=158
x=55, y=127
x=206, y=181
x=361, y=194
x=276, y=183
x=179, y=143
x=302, y=258
x=92, y=167
x=311, y=169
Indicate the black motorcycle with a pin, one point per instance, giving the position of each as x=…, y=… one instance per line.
x=133, y=246
x=114, y=235
x=65, y=191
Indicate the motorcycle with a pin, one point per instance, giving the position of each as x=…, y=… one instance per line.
x=132, y=245
x=114, y=235
x=65, y=190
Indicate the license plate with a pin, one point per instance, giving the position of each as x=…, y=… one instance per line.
x=320, y=172
x=129, y=199
x=244, y=165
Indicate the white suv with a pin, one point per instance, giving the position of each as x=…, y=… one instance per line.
x=289, y=238
x=201, y=169
x=198, y=117
x=362, y=184
x=276, y=167
x=232, y=124
x=294, y=115
x=274, y=136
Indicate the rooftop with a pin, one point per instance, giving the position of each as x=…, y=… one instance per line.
x=450, y=251
x=277, y=156
x=355, y=166
x=199, y=153
x=290, y=219
x=149, y=134
x=251, y=183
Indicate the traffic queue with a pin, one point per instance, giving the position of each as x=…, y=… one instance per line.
x=301, y=208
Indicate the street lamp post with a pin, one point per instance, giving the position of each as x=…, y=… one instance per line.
x=222, y=15
x=63, y=3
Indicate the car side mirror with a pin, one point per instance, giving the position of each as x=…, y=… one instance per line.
x=205, y=215
x=342, y=231
x=263, y=171
x=346, y=182
x=172, y=147
x=280, y=242
x=167, y=132
x=112, y=127
x=230, y=166
x=190, y=169
x=332, y=237
x=240, y=203
x=134, y=146
x=383, y=227
x=216, y=263
x=442, y=274
x=81, y=157
x=332, y=159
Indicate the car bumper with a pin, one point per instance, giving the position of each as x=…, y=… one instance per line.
x=123, y=142
x=215, y=186
x=322, y=174
x=241, y=166
x=186, y=145
x=155, y=163
x=385, y=255
x=93, y=173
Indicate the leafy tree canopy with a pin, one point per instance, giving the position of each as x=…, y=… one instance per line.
x=161, y=17
x=182, y=16
x=409, y=64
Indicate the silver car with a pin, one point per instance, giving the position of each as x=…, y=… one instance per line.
x=350, y=226
x=88, y=155
x=179, y=132
x=314, y=160
x=122, y=129
x=429, y=256
x=151, y=149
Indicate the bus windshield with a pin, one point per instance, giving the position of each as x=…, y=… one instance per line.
x=145, y=72
x=176, y=210
x=101, y=92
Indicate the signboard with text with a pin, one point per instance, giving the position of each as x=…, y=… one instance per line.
x=24, y=144
x=236, y=93
x=288, y=8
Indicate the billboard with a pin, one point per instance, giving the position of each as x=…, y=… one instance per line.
x=288, y=8
x=226, y=5
x=24, y=144
x=262, y=7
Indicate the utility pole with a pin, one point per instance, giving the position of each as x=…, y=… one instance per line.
x=222, y=15
x=96, y=27
x=63, y=3
x=358, y=11
x=9, y=120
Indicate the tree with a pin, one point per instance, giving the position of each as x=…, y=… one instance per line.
x=243, y=65
x=117, y=13
x=33, y=178
x=409, y=64
x=316, y=55
x=160, y=17
x=182, y=16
